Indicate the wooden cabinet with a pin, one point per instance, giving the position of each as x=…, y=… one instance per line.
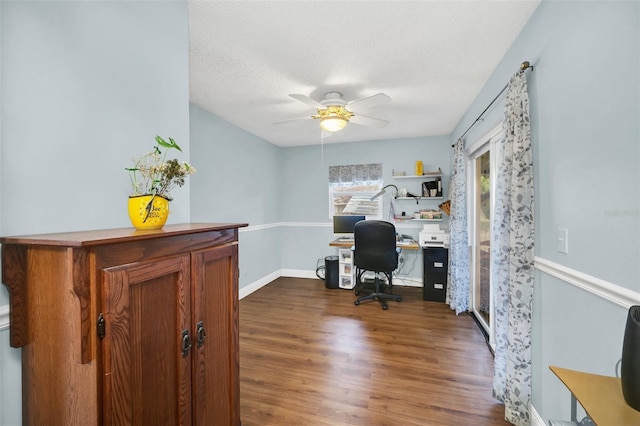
x=125, y=327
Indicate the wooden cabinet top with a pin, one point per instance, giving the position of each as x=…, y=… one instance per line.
x=112, y=236
x=47, y=258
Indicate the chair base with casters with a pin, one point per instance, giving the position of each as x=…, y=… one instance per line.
x=377, y=294
x=375, y=250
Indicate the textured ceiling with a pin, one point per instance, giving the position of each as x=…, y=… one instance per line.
x=431, y=57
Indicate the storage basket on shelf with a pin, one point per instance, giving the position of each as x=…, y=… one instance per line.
x=446, y=207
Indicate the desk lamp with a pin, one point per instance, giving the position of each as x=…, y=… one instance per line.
x=382, y=192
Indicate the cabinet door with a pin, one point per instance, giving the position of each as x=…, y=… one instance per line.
x=216, y=390
x=147, y=378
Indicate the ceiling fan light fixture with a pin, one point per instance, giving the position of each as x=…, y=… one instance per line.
x=332, y=123
x=333, y=118
x=333, y=113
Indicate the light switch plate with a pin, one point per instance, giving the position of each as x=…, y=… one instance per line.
x=563, y=240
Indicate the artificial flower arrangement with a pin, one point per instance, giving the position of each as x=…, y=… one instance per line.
x=153, y=174
x=152, y=179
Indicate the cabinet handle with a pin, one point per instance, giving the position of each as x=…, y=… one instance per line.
x=200, y=333
x=100, y=326
x=186, y=343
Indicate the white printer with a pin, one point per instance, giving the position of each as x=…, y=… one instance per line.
x=432, y=236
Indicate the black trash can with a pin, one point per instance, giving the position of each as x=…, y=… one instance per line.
x=331, y=274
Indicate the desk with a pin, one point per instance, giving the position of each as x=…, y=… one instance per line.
x=600, y=396
x=347, y=273
x=349, y=243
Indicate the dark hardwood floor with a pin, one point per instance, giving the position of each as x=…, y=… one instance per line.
x=308, y=356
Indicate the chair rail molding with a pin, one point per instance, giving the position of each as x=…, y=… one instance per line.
x=4, y=317
x=308, y=224
x=613, y=293
x=252, y=228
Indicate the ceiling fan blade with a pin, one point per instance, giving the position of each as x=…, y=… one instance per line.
x=307, y=100
x=368, y=121
x=288, y=120
x=368, y=102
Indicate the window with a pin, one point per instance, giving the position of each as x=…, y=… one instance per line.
x=351, y=188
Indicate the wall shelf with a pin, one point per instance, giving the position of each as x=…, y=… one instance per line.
x=401, y=219
x=431, y=185
x=425, y=176
x=419, y=198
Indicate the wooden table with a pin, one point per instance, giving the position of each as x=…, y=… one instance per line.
x=600, y=396
x=349, y=243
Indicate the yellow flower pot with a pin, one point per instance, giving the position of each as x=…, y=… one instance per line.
x=146, y=216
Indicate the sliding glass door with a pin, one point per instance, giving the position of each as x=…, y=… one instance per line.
x=482, y=236
x=481, y=183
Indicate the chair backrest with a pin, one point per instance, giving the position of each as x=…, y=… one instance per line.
x=375, y=246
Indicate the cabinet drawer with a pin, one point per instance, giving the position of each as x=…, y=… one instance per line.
x=346, y=268
x=436, y=255
x=435, y=277
x=346, y=255
x=435, y=292
x=435, y=266
x=347, y=282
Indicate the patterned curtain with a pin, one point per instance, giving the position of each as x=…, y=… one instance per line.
x=512, y=250
x=458, y=288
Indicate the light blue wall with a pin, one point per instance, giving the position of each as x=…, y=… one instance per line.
x=237, y=181
x=585, y=111
x=85, y=86
x=282, y=193
x=9, y=358
x=305, y=183
x=79, y=97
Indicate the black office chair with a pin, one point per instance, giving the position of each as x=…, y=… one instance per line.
x=375, y=250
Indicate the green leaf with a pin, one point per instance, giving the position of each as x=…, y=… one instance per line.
x=175, y=145
x=163, y=143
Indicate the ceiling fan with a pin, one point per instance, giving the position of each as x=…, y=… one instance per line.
x=334, y=112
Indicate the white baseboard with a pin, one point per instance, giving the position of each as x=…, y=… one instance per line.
x=257, y=285
x=407, y=281
x=536, y=419
x=298, y=273
x=301, y=273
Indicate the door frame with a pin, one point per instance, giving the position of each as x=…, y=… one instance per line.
x=488, y=142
